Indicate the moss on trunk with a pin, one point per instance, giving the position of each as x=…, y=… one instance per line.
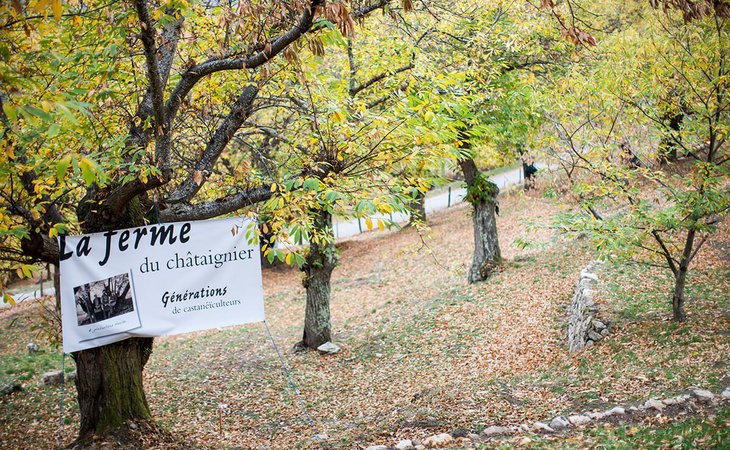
x=321, y=261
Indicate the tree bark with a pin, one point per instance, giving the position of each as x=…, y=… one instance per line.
x=321, y=260
x=482, y=194
x=417, y=206
x=680, y=278
x=668, y=144
x=109, y=378
x=109, y=385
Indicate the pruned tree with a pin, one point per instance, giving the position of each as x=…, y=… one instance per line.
x=657, y=215
x=117, y=114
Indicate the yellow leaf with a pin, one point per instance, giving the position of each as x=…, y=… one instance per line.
x=56, y=9
x=381, y=225
x=77, y=21
x=288, y=258
x=8, y=299
x=369, y=223
x=41, y=6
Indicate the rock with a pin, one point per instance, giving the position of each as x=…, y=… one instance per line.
x=703, y=396
x=495, y=431
x=559, y=422
x=726, y=393
x=459, y=432
x=591, y=276
x=540, y=426
x=598, y=325
x=654, y=404
x=669, y=401
x=33, y=348
x=633, y=408
x=578, y=419
x=604, y=332
x=617, y=411
x=525, y=428
x=53, y=377
x=596, y=415
x=133, y=425
x=595, y=337
x=328, y=348
x=405, y=444
x=10, y=388
x=419, y=447
x=474, y=438
x=438, y=441
x=377, y=447
x=589, y=343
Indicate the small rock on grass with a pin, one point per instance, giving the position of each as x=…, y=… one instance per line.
x=654, y=404
x=559, y=422
x=10, y=388
x=474, y=437
x=617, y=411
x=703, y=396
x=540, y=426
x=328, y=348
x=377, y=447
x=726, y=393
x=52, y=378
x=438, y=441
x=578, y=419
x=405, y=444
x=495, y=431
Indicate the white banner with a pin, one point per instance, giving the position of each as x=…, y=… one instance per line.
x=158, y=280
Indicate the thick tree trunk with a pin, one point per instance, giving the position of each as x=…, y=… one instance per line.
x=482, y=194
x=487, y=255
x=320, y=262
x=109, y=378
x=417, y=206
x=109, y=385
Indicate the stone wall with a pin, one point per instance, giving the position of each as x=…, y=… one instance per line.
x=584, y=327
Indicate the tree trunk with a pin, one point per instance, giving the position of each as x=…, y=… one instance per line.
x=678, y=298
x=668, y=144
x=109, y=378
x=320, y=261
x=109, y=385
x=417, y=206
x=680, y=277
x=482, y=194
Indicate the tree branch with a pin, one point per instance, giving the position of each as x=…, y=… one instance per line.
x=240, y=111
x=190, y=77
x=207, y=210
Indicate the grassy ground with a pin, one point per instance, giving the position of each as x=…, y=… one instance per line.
x=423, y=352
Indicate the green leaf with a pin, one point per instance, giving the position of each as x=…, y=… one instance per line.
x=311, y=184
x=88, y=170
x=62, y=166
x=53, y=130
x=38, y=113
